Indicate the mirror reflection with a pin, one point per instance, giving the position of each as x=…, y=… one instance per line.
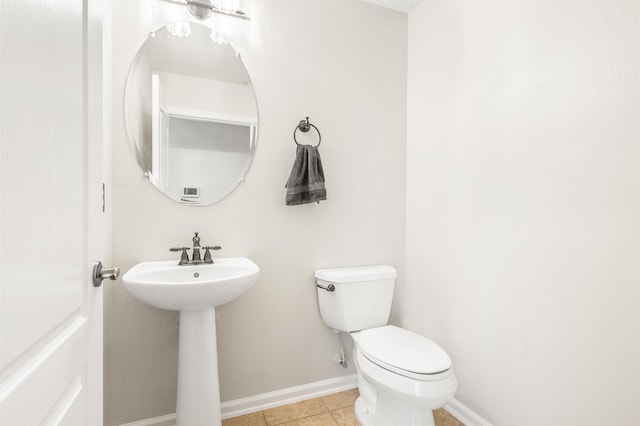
x=191, y=113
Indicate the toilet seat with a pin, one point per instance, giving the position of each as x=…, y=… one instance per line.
x=430, y=393
x=404, y=352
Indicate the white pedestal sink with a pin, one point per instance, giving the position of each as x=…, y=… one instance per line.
x=195, y=291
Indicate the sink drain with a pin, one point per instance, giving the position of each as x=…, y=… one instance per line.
x=196, y=275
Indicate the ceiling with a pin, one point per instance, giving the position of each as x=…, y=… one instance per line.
x=403, y=6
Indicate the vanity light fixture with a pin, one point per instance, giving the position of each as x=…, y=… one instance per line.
x=217, y=38
x=180, y=29
x=202, y=9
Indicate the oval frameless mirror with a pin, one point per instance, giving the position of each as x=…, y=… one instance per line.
x=191, y=113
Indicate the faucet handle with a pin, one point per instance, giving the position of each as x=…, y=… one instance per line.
x=207, y=253
x=184, y=257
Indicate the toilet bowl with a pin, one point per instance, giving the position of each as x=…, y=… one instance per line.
x=402, y=376
x=409, y=374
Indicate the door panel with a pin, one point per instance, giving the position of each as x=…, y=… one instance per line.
x=42, y=149
x=50, y=168
x=44, y=378
x=70, y=407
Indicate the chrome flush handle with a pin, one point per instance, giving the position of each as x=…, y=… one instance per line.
x=329, y=287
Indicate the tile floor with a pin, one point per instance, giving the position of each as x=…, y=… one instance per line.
x=330, y=410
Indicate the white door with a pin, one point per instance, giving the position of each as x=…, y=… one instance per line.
x=50, y=212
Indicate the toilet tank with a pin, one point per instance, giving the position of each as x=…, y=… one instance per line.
x=361, y=297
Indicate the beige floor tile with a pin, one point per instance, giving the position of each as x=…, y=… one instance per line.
x=443, y=418
x=345, y=416
x=299, y=410
x=341, y=399
x=253, y=419
x=318, y=420
x=314, y=412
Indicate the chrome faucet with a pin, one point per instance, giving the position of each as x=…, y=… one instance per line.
x=195, y=259
x=196, y=250
x=207, y=253
x=184, y=257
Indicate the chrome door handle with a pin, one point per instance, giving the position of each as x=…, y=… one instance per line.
x=100, y=273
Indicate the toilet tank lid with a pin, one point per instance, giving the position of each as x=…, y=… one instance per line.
x=357, y=273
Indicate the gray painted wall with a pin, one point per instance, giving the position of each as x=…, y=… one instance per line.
x=305, y=59
x=523, y=199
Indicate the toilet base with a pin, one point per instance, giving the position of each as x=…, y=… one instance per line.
x=364, y=416
x=391, y=412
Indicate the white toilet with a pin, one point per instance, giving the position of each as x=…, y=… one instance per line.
x=402, y=376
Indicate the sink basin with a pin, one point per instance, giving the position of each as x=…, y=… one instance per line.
x=167, y=285
x=195, y=291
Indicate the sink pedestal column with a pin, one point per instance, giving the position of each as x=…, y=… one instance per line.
x=198, y=388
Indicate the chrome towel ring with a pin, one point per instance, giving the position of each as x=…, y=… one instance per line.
x=304, y=126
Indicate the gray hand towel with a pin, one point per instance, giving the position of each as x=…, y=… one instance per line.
x=306, y=182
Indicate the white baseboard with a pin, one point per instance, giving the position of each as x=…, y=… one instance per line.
x=238, y=407
x=168, y=420
x=251, y=404
x=463, y=413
